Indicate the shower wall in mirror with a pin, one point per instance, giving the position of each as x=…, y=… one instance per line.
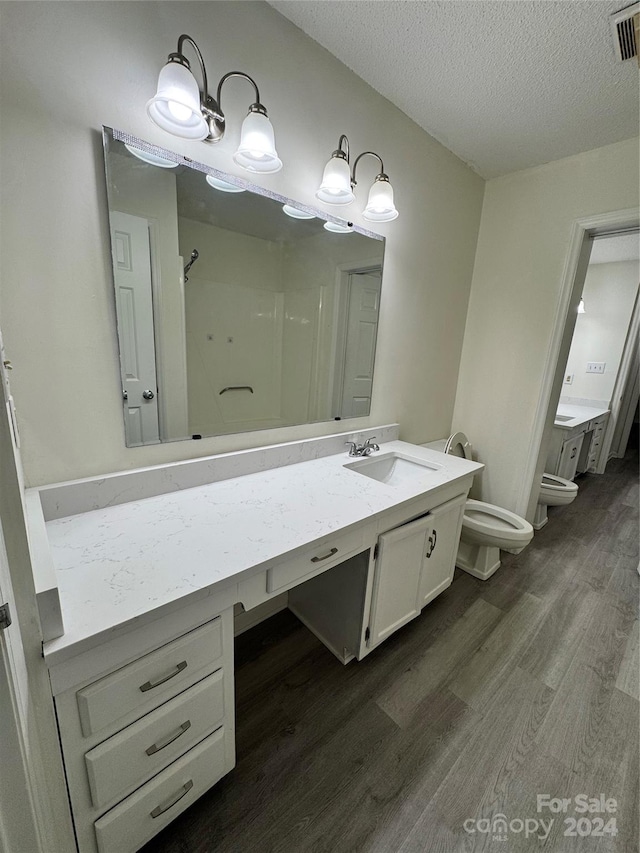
x=232, y=315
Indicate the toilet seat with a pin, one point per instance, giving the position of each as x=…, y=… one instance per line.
x=483, y=522
x=554, y=485
x=486, y=529
x=554, y=491
x=458, y=445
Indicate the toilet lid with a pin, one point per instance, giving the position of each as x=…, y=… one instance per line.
x=458, y=445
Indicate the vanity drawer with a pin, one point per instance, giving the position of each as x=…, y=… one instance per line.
x=127, y=826
x=122, y=762
x=315, y=560
x=150, y=680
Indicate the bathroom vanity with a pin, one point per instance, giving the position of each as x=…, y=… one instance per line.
x=149, y=566
x=576, y=440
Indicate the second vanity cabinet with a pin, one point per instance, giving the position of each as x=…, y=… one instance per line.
x=576, y=450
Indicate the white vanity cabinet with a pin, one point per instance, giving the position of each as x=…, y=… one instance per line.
x=443, y=537
x=569, y=456
x=575, y=448
x=142, y=678
x=143, y=740
x=414, y=563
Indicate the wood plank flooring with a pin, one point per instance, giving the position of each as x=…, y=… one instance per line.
x=501, y=690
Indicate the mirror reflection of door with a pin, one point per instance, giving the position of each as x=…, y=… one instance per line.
x=363, y=308
x=132, y=274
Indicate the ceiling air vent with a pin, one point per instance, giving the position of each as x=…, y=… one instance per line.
x=625, y=36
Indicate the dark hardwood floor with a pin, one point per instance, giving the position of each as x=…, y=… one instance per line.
x=501, y=690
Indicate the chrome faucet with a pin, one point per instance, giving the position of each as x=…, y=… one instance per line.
x=365, y=449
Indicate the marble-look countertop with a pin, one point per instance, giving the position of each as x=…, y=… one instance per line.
x=118, y=562
x=579, y=415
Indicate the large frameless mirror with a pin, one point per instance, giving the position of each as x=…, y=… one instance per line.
x=237, y=309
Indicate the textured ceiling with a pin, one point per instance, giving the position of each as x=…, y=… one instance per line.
x=504, y=84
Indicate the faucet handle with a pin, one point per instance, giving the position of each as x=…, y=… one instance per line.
x=353, y=447
x=370, y=443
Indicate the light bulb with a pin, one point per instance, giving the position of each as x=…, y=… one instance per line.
x=179, y=111
x=257, y=149
x=176, y=105
x=336, y=183
x=380, y=206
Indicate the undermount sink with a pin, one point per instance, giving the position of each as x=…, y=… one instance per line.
x=393, y=468
x=564, y=418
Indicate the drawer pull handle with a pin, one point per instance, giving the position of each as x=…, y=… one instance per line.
x=156, y=747
x=164, y=807
x=149, y=685
x=326, y=556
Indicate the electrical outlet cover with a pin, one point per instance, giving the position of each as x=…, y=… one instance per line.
x=568, y=379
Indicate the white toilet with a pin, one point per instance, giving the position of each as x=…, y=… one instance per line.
x=485, y=528
x=554, y=491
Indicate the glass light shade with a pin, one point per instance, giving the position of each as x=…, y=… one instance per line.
x=581, y=308
x=176, y=105
x=223, y=186
x=338, y=229
x=336, y=183
x=152, y=159
x=296, y=213
x=257, y=149
x=380, y=206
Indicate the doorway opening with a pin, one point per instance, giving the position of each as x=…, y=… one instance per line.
x=585, y=234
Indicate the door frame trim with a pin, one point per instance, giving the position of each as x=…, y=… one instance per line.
x=581, y=231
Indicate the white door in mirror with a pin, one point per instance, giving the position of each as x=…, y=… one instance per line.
x=132, y=275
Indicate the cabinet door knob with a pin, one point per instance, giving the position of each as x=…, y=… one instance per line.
x=430, y=551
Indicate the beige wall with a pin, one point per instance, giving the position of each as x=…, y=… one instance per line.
x=609, y=294
x=68, y=68
x=523, y=245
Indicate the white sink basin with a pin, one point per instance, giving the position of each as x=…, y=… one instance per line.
x=393, y=468
x=564, y=418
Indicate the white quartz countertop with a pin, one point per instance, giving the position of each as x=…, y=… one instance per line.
x=117, y=563
x=579, y=415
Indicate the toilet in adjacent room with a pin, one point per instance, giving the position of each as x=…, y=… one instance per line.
x=486, y=528
x=554, y=491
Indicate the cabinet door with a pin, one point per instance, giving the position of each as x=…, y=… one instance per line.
x=567, y=466
x=396, y=585
x=445, y=523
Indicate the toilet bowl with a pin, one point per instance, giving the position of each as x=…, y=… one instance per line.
x=554, y=491
x=486, y=528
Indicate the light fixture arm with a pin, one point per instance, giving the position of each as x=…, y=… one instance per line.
x=225, y=77
x=182, y=59
x=211, y=109
x=380, y=177
x=339, y=152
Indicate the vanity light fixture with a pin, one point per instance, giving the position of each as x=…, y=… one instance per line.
x=336, y=179
x=296, y=213
x=180, y=107
x=581, y=308
x=338, y=183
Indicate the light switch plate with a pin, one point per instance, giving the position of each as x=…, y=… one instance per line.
x=596, y=366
